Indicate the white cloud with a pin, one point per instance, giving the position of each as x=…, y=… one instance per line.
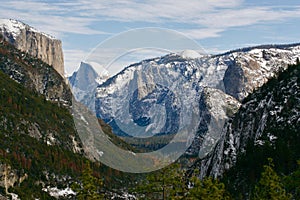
x=246, y=16
x=153, y=10
x=212, y=16
x=202, y=33
x=48, y=17
x=197, y=19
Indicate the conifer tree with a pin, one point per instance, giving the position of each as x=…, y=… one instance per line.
x=167, y=183
x=269, y=186
x=90, y=189
x=292, y=182
x=207, y=189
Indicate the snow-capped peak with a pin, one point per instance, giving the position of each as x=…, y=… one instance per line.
x=14, y=27
x=190, y=54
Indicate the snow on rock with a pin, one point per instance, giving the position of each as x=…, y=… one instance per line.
x=264, y=110
x=14, y=196
x=236, y=74
x=100, y=153
x=124, y=195
x=190, y=54
x=36, y=43
x=59, y=193
x=14, y=27
x=84, y=82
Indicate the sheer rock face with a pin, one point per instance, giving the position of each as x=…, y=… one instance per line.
x=34, y=74
x=40, y=46
x=37, y=44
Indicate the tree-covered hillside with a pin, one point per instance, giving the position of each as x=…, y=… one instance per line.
x=35, y=140
x=275, y=111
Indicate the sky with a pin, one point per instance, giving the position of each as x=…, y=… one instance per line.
x=216, y=25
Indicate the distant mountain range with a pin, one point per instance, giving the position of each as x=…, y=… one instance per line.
x=232, y=75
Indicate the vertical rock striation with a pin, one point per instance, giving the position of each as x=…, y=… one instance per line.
x=37, y=44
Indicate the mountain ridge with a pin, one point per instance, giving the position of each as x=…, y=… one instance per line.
x=266, y=126
x=237, y=74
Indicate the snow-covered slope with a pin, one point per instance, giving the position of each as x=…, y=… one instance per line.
x=190, y=54
x=14, y=27
x=248, y=70
x=267, y=115
x=215, y=109
x=158, y=86
x=130, y=98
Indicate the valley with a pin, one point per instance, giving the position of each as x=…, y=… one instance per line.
x=179, y=126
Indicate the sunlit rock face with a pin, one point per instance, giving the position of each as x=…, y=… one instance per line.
x=37, y=44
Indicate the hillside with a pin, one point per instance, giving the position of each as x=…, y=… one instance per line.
x=40, y=149
x=275, y=111
x=36, y=137
x=266, y=126
x=37, y=143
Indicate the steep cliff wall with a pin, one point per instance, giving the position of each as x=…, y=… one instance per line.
x=34, y=74
x=268, y=118
x=37, y=44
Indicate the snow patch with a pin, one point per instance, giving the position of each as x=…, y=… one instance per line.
x=100, y=153
x=190, y=54
x=14, y=196
x=57, y=193
x=14, y=27
x=84, y=120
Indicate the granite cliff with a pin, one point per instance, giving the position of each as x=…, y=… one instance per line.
x=38, y=44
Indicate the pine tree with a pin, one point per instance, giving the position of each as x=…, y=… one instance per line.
x=167, y=183
x=269, y=186
x=292, y=182
x=207, y=189
x=90, y=189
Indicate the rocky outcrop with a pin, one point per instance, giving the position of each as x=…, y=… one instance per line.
x=250, y=68
x=266, y=115
x=156, y=94
x=37, y=44
x=34, y=74
x=83, y=83
x=216, y=108
x=25, y=112
x=9, y=177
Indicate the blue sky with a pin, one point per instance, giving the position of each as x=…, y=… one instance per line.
x=217, y=25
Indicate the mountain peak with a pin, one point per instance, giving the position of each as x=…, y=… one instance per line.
x=190, y=54
x=14, y=27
